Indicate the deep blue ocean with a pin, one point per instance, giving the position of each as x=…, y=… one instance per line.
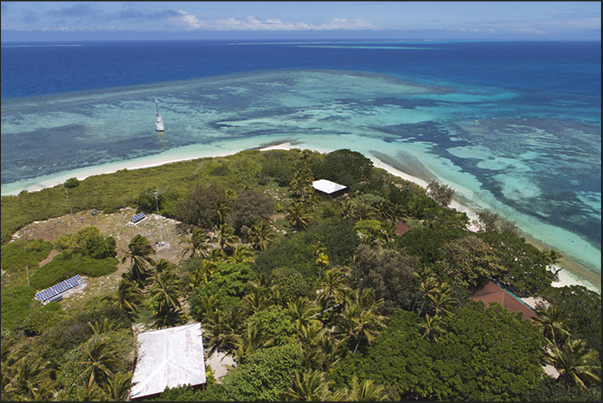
x=512, y=126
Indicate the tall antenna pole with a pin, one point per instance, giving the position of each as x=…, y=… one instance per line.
x=67, y=193
x=159, y=219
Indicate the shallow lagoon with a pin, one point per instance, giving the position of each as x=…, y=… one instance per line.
x=495, y=147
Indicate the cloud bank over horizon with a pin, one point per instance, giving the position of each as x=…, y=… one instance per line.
x=478, y=20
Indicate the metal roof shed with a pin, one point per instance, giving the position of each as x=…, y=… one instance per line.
x=168, y=357
x=328, y=187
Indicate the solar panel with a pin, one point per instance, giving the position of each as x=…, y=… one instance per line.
x=57, y=289
x=137, y=217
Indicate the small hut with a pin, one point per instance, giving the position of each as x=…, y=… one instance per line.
x=329, y=188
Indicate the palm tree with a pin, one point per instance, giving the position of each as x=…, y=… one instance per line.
x=365, y=211
x=298, y=216
x=431, y=329
x=261, y=235
x=308, y=332
x=554, y=257
x=388, y=231
x=221, y=328
x=552, y=326
x=198, y=244
x=225, y=237
x=427, y=286
x=39, y=391
x=101, y=327
x=331, y=287
x=89, y=393
x=242, y=254
x=300, y=311
x=100, y=361
x=118, y=388
x=222, y=210
x=323, y=263
x=164, y=298
x=210, y=309
x=129, y=297
x=367, y=391
x=204, y=274
x=332, y=348
x=309, y=385
x=359, y=319
x=257, y=301
x=216, y=255
x=140, y=250
x=574, y=362
x=249, y=341
x=29, y=376
x=347, y=208
x=383, y=208
x=441, y=299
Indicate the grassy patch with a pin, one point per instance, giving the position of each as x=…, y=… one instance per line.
x=17, y=255
x=65, y=266
x=16, y=305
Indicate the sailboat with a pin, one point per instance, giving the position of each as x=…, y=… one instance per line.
x=158, y=122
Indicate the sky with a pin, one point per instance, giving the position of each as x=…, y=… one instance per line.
x=284, y=20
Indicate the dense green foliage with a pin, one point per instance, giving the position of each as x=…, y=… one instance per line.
x=290, y=283
x=17, y=255
x=16, y=305
x=227, y=284
x=581, y=311
x=63, y=267
x=388, y=273
x=265, y=375
x=525, y=266
x=483, y=355
x=321, y=302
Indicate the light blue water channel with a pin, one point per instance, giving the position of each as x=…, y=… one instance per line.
x=496, y=149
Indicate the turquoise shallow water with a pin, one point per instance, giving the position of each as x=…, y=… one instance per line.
x=496, y=147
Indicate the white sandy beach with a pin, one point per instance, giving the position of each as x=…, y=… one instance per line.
x=565, y=277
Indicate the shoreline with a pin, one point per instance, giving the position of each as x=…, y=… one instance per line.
x=573, y=275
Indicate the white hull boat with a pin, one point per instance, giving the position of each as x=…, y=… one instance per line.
x=158, y=121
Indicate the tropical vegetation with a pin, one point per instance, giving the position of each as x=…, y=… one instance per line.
x=314, y=297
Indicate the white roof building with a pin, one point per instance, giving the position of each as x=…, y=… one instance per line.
x=168, y=357
x=326, y=186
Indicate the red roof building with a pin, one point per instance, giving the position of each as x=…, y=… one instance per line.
x=491, y=292
x=401, y=228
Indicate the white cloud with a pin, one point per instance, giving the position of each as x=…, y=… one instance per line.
x=188, y=20
x=191, y=22
x=529, y=31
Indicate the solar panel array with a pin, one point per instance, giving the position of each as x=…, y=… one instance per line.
x=57, y=289
x=137, y=217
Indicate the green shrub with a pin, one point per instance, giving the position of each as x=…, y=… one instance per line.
x=17, y=255
x=65, y=266
x=265, y=374
x=74, y=330
x=274, y=322
x=290, y=283
x=72, y=183
x=16, y=305
x=41, y=319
